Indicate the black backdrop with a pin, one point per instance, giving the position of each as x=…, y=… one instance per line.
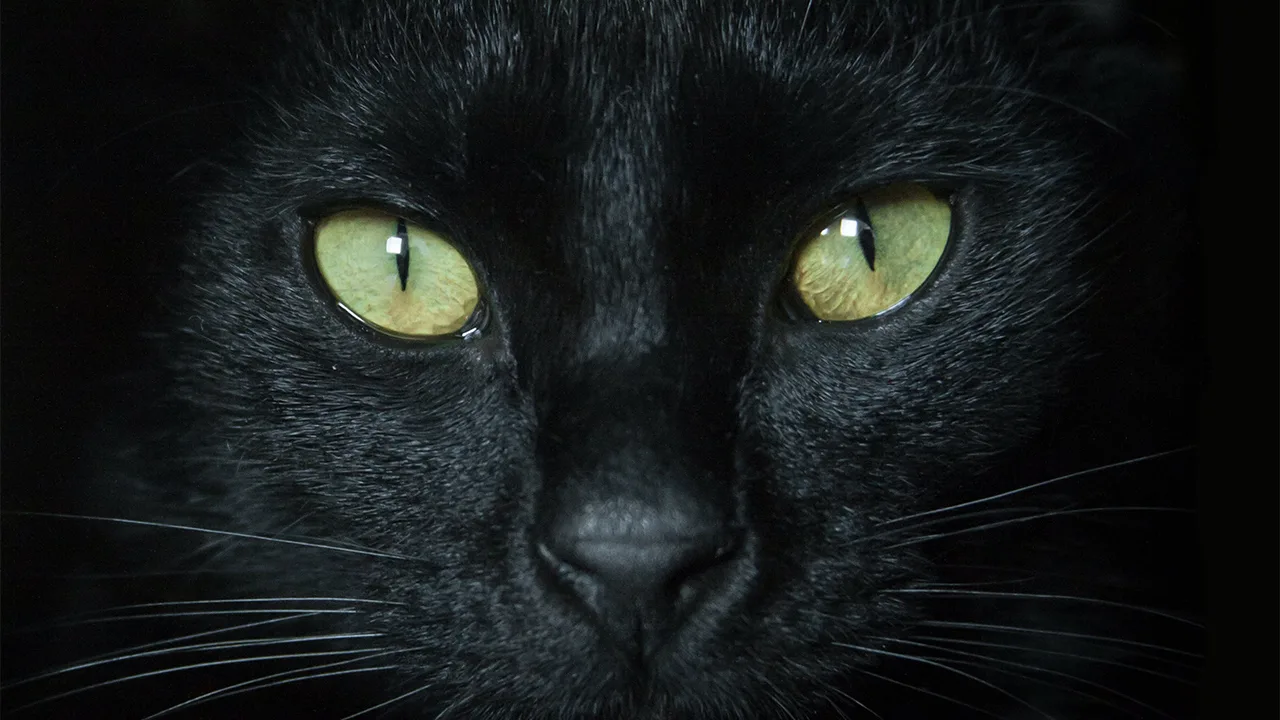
x=110, y=109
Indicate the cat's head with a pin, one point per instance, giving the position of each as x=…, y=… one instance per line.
x=720, y=300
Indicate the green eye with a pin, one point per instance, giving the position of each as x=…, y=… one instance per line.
x=395, y=276
x=874, y=255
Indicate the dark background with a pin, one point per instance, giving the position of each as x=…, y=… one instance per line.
x=112, y=111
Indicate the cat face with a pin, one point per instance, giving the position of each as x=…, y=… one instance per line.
x=534, y=350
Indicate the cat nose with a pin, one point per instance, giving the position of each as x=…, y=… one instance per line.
x=633, y=546
x=635, y=563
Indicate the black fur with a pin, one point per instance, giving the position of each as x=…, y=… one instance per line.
x=630, y=180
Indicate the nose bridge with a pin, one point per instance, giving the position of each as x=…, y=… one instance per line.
x=630, y=433
x=619, y=185
x=615, y=413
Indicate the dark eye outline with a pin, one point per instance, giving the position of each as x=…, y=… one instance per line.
x=475, y=326
x=792, y=309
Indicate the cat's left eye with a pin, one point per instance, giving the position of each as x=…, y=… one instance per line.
x=395, y=276
x=873, y=255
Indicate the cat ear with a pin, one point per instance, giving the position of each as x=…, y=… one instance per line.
x=1125, y=21
x=1123, y=60
x=1106, y=16
x=1150, y=33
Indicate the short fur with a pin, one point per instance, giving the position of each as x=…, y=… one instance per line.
x=630, y=179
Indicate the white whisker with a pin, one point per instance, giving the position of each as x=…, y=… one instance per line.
x=1029, y=518
x=935, y=663
x=1056, y=633
x=1034, y=669
x=222, y=533
x=200, y=647
x=1043, y=483
x=229, y=601
x=1044, y=596
x=1074, y=656
x=396, y=699
x=194, y=666
x=158, y=643
x=925, y=691
x=277, y=679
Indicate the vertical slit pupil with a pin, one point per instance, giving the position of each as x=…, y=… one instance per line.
x=402, y=257
x=866, y=236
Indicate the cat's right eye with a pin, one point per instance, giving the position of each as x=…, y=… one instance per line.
x=394, y=276
x=872, y=256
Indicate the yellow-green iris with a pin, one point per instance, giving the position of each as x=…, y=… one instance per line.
x=395, y=276
x=874, y=255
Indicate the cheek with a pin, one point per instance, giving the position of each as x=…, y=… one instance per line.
x=883, y=420
x=405, y=449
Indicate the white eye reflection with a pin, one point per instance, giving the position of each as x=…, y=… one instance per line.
x=395, y=245
x=849, y=227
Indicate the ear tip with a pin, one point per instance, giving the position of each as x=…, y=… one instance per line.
x=1107, y=14
x=1128, y=22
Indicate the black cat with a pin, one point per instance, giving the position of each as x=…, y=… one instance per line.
x=663, y=360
